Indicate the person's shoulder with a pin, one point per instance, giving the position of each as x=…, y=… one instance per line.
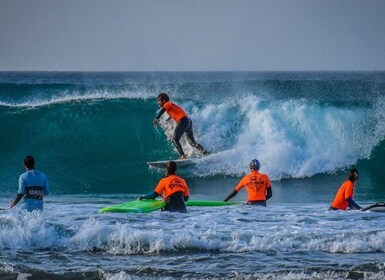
x=167, y=105
x=347, y=183
x=164, y=179
x=39, y=172
x=181, y=178
x=23, y=175
x=175, y=177
x=263, y=175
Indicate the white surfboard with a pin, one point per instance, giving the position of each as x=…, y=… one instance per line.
x=179, y=162
x=377, y=207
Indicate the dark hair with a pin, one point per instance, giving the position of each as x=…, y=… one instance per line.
x=164, y=97
x=29, y=162
x=171, y=168
x=353, y=174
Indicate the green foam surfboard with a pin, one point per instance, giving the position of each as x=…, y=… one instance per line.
x=150, y=205
x=135, y=206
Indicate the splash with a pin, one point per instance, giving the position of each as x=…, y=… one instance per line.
x=77, y=96
x=293, y=138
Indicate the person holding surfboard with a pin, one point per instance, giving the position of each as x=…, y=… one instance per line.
x=173, y=189
x=257, y=185
x=344, y=196
x=183, y=124
x=33, y=186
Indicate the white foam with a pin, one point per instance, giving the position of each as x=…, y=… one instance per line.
x=73, y=96
x=292, y=138
x=254, y=235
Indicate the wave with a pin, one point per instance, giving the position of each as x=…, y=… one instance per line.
x=292, y=139
x=69, y=97
x=97, y=125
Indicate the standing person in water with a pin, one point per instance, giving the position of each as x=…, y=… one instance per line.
x=173, y=189
x=183, y=124
x=257, y=185
x=344, y=196
x=33, y=187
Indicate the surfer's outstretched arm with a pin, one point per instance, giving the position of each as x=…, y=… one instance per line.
x=160, y=113
x=16, y=200
x=231, y=195
x=352, y=204
x=151, y=195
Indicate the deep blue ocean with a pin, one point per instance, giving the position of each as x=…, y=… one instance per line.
x=92, y=134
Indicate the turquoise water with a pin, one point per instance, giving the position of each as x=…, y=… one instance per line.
x=92, y=134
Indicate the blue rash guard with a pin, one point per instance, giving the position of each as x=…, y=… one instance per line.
x=33, y=187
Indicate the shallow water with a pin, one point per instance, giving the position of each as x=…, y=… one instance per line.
x=71, y=240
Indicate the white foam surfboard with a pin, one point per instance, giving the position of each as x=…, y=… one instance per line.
x=377, y=207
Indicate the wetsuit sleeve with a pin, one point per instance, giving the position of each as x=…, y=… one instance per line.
x=269, y=193
x=352, y=204
x=160, y=113
x=20, y=192
x=22, y=185
x=231, y=195
x=17, y=198
x=149, y=196
x=185, y=198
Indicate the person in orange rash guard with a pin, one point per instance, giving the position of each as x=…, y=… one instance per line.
x=173, y=189
x=257, y=185
x=183, y=124
x=344, y=196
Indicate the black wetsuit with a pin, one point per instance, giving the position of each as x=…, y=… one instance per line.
x=183, y=126
x=174, y=203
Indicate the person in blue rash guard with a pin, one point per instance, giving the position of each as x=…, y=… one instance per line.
x=33, y=187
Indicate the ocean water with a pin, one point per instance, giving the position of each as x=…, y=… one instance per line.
x=92, y=134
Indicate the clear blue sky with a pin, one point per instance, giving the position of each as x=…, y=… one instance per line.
x=195, y=35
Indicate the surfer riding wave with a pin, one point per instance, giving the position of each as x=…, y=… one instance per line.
x=183, y=124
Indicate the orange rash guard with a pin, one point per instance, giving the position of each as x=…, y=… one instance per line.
x=256, y=185
x=344, y=192
x=174, y=111
x=172, y=184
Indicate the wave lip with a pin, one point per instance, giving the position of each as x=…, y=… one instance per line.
x=69, y=97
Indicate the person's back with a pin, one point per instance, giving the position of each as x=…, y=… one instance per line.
x=344, y=195
x=173, y=189
x=257, y=185
x=345, y=191
x=33, y=187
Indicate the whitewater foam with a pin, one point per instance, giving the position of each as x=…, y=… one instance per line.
x=73, y=96
x=292, y=138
